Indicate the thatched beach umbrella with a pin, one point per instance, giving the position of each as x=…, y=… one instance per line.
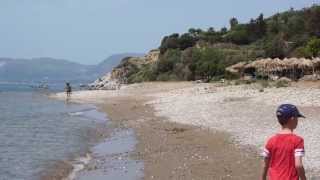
x=290, y=67
x=277, y=65
x=293, y=62
x=260, y=65
x=236, y=68
x=239, y=65
x=287, y=63
x=306, y=65
x=253, y=64
x=270, y=65
x=316, y=64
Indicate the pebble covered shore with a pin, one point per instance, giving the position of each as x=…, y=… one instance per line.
x=244, y=112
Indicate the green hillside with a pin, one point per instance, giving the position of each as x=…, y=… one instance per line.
x=204, y=54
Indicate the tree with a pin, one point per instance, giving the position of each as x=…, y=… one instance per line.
x=276, y=48
x=239, y=35
x=211, y=30
x=233, y=23
x=274, y=24
x=169, y=42
x=296, y=25
x=257, y=28
x=312, y=17
x=224, y=30
x=186, y=41
x=192, y=32
x=261, y=26
x=207, y=63
x=167, y=62
x=195, y=32
x=313, y=47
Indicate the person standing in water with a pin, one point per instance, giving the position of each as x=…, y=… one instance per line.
x=68, y=89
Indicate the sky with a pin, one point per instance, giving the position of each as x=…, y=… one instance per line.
x=88, y=31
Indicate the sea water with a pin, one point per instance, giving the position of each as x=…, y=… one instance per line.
x=37, y=132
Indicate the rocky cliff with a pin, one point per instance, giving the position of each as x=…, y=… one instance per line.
x=119, y=75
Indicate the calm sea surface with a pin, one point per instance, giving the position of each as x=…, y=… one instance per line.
x=37, y=132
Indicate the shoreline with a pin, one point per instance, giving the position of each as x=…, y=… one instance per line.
x=169, y=118
x=163, y=144
x=173, y=150
x=67, y=168
x=89, y=165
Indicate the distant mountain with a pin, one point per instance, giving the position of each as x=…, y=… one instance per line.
x=42, y=69
x=55, y=70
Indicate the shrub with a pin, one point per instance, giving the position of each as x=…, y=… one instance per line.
x=231, y=76
x=146, y=73
x=302, y=52
x=167, y=62
x=276, y=48
x=167, y=77
x=313, y=47
x=208, y=63
x=280, y=84
x=264, y=83
x=238, y=82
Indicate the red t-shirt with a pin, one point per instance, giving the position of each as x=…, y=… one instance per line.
x=282, y=150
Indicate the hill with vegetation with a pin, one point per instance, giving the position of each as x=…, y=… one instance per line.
x=113, y=61
x=204, y=54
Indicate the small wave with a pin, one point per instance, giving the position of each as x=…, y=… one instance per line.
x=80, y=113
x=91, y=114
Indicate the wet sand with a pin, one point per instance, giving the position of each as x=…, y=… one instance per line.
x=68, y=168
x=58, y=171
x=111, y=159
x=204, y=131
x=172, y=150
x=175, y=151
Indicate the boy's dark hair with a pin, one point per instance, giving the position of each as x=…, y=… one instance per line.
x=283, y=121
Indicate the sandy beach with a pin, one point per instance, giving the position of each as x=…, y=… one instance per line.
x=206, y=131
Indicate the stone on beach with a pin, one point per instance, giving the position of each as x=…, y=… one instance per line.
x=242, y=111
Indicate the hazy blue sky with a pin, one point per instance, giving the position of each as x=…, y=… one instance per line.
x=87, y=31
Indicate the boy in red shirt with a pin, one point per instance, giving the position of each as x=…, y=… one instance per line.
x=284, y=151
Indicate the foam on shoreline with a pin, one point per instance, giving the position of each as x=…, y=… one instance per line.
x=78, y=165
x=69, y=168
x=109, y=159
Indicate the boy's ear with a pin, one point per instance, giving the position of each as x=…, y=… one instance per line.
x=290, y=119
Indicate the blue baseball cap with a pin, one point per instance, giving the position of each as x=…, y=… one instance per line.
x=286, y=111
